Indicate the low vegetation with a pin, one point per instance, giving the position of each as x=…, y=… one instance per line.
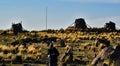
x=13, y=51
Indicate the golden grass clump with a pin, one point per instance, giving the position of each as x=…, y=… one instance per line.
x=38, y=55
x=21, y=49
x=10, y=32
x=9, y=55
x=77, y=40
x=5, y=49
x=29, y=57
x=14, y=49
x=31, y=49
x=101, y=46
x=17, y=58
x=0, y=48
x=19, y=54
x=24, y=36
x=1, y=55
x=92, y=48
x=84, y=45
x=39, y=49
x=68, y=40
x=67, y=47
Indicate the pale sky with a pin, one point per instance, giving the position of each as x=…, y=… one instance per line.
x=61, y=13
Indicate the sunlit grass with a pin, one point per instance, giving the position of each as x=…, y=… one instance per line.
x=82, y=42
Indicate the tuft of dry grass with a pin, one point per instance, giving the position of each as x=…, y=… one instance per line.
x=38, y=55
x=9, y=56
x=5, y=49
x=1, y=56
x=29, y=57
x=21, y=49
x=31, y=50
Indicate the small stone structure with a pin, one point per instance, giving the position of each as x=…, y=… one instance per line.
x=80, y=24
x=17, y=28
x=110, y=26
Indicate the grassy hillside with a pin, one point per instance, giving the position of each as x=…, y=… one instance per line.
x=35, y=51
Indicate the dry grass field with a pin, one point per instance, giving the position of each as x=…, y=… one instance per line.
x=35, y=53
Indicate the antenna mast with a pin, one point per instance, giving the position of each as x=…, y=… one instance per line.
x=46, y=18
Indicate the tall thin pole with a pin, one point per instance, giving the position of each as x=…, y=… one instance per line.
x=46, y=18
